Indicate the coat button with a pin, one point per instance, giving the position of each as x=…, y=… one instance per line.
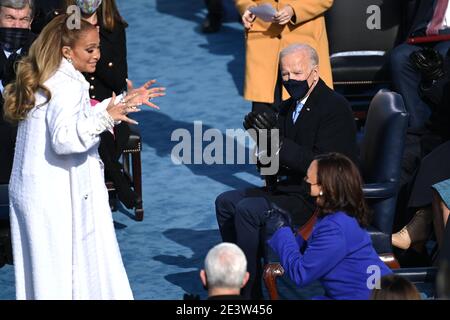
x=110, y=64
x=86, y=197
x=92, y=87
x=92, y=78
x=93, y=97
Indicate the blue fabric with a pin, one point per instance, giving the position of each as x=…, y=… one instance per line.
x=443, y=188
x=338, y=254
x=297, y=111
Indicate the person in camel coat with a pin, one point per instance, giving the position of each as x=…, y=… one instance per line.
x=296, y=21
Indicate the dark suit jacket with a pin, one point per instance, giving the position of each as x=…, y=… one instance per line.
x=8, y=131
x=45, y=11
x=325, y=124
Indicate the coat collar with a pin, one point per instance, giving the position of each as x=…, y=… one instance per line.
x=68, y=69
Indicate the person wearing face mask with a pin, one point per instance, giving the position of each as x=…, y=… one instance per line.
x=339, y=251
x=294, y=21
x=15, y=40
x=313, y=121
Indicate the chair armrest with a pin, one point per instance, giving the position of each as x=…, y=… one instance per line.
x=271, y=272
x=418, y=275
x=381, y=190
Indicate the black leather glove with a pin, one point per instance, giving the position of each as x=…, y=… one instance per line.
x=429, y=63
x=276, y=218
x=260, y=121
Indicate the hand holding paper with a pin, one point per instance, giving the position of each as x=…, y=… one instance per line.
x=265, y=12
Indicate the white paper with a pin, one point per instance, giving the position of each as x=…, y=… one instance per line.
x=265, y=12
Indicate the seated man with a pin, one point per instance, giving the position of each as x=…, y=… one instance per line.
x=313, y=121
x=430, y=18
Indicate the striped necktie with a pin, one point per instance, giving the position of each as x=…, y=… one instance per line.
x=297, y=111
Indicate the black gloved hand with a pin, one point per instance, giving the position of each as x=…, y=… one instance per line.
x=260, y=121
x=429, y=63
x=276, y=218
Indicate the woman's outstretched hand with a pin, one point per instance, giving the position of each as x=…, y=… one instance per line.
x=145, y=94
x=120, y=110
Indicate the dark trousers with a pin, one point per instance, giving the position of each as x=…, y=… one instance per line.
x=8, y=135
x=110, y=149
x=406, y=81
x=215, y=10
x=240, y=220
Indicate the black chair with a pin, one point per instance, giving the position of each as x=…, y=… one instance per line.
x=132, y=169
x=380, y=162
x=359, y=55
x=380, y=158
x=5, y=234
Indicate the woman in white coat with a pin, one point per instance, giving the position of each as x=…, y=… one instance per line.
x=64, y=243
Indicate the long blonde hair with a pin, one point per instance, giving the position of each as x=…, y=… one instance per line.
x=44, y=58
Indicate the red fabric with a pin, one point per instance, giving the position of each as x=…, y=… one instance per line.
x=94, y=102
x=438, y=17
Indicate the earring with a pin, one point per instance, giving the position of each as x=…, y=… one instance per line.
x=69, y=60
x=321, y=193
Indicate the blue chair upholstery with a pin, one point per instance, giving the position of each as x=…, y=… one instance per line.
x=380, y=158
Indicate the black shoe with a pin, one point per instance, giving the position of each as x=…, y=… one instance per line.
x=211, y=25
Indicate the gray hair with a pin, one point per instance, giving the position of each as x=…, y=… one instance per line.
x=298, y=47
x=225, y=266
x=17, y=4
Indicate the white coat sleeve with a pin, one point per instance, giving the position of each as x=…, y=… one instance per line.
x=71, y=128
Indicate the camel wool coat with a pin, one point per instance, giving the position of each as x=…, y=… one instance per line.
x=265, y=40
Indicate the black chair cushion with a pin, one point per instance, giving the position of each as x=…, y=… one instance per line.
x=358, y=68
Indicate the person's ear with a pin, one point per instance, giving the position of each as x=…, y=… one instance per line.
x=203, y=278
x=317, y=74
x=245, y=280
x=67, y=52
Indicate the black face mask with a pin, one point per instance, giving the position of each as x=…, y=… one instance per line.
x=296, y=89
x=12, y=39
x=307, y=187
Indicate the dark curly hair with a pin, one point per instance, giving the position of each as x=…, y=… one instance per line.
x=341, y=187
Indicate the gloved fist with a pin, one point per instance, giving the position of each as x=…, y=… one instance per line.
x=260, y=121
x=276, y=218
x=429, y=63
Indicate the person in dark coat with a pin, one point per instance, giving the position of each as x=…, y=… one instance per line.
x=45, y=11
x=213, y=20
x=110, y=76
x=313, y=121
x=15, y=40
